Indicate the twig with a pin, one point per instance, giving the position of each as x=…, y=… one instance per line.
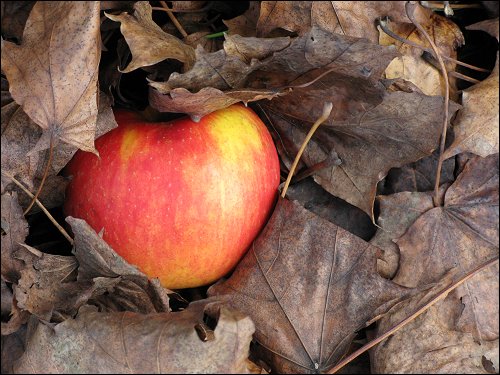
x=463, y=77
x=441, y=295
x=383, y=25
x=45, y=174
x=327, y=109
x=173, y=19
x=174, y=10
x=42, y=207
x=410, y=8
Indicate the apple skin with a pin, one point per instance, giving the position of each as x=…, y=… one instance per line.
x=182, y=201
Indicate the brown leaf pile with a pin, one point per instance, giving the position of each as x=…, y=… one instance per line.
x=355, y=247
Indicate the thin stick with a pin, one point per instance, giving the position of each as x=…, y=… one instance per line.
x=441, y=295
x=42, y=207
x=173, y=19
x=174, y=10
x=327, y=109
x=410, y=8
x=45, y=174
x=464, y=77
x=385, y=29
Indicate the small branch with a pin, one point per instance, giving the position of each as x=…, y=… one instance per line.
x=327, y=109
x=410, y=8
x=173, y=19
x=42, y=207
x=441, y=295
x=45, y=174
x=385, y=29
x=463, y=77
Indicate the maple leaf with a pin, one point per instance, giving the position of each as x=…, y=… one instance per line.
x=303, y=260
x=53, y=73
x=127, y=342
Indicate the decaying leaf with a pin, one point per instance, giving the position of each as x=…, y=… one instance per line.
x=309, y=286
x=53, y=73
x=148, y=43
x=245, y=24
x=476, y=126
x=14, y=16
x=126, y=342
x=432, y=343
x=411, y=66
x=131, y=289
x=351, y=18
x=12, y=348
x=403, y=128
x=14, y=232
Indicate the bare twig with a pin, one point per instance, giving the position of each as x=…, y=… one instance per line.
x=173, y=19
x=42, y=207
x=410, y=8
x=441, y=295
x=463, y=77
x=45, y=174
x=327, y=109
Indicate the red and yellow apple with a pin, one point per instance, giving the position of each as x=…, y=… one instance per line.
x=181, y=200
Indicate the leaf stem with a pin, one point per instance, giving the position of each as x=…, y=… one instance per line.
x=327, y=109
x=410, y=8
x=441, y=295
x=42, y=207
x=45, y=174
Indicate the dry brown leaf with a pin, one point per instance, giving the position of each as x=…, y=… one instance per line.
x=400, y=129
x=206, y=100
x=476, y=126
x=309, y=286
x=217, y=70
x=245, y=24
x=148, y=43
x=462, y=234
x=353, y=18
x=132, y=290
x=14, y=232
x=126, y=342
x=411, y=66
x=250, y=48
x=53, y=73
x=431, y=344
x=489, y=26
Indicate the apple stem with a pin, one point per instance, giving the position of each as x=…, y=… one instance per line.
x=327, y=109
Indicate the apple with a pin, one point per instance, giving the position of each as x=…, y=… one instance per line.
x=181, y=200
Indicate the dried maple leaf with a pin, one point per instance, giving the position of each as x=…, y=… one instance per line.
x=370, y=133
x=148, y=43
x=353, y=18
x=432, y=343
x=461, y=234
x=128, y=342
x=14, y=232
x=309, y=286
x=53, y=73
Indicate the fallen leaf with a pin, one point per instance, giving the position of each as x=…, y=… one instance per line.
x=245, y=24
x=301, y=260
x=53, y=73
x=250, y=48
x=431, y=343
x=476, y=125
x=15, y=317
x=462, y=234
x=351, y=18
x=400, y=129
x=14, y=232
x=132, y=290
x=148, y=43
x=205, y=101
x=489, y=26
x=411, y=66
x=126, y=342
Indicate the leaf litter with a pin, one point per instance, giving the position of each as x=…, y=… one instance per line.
x=309, y=285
